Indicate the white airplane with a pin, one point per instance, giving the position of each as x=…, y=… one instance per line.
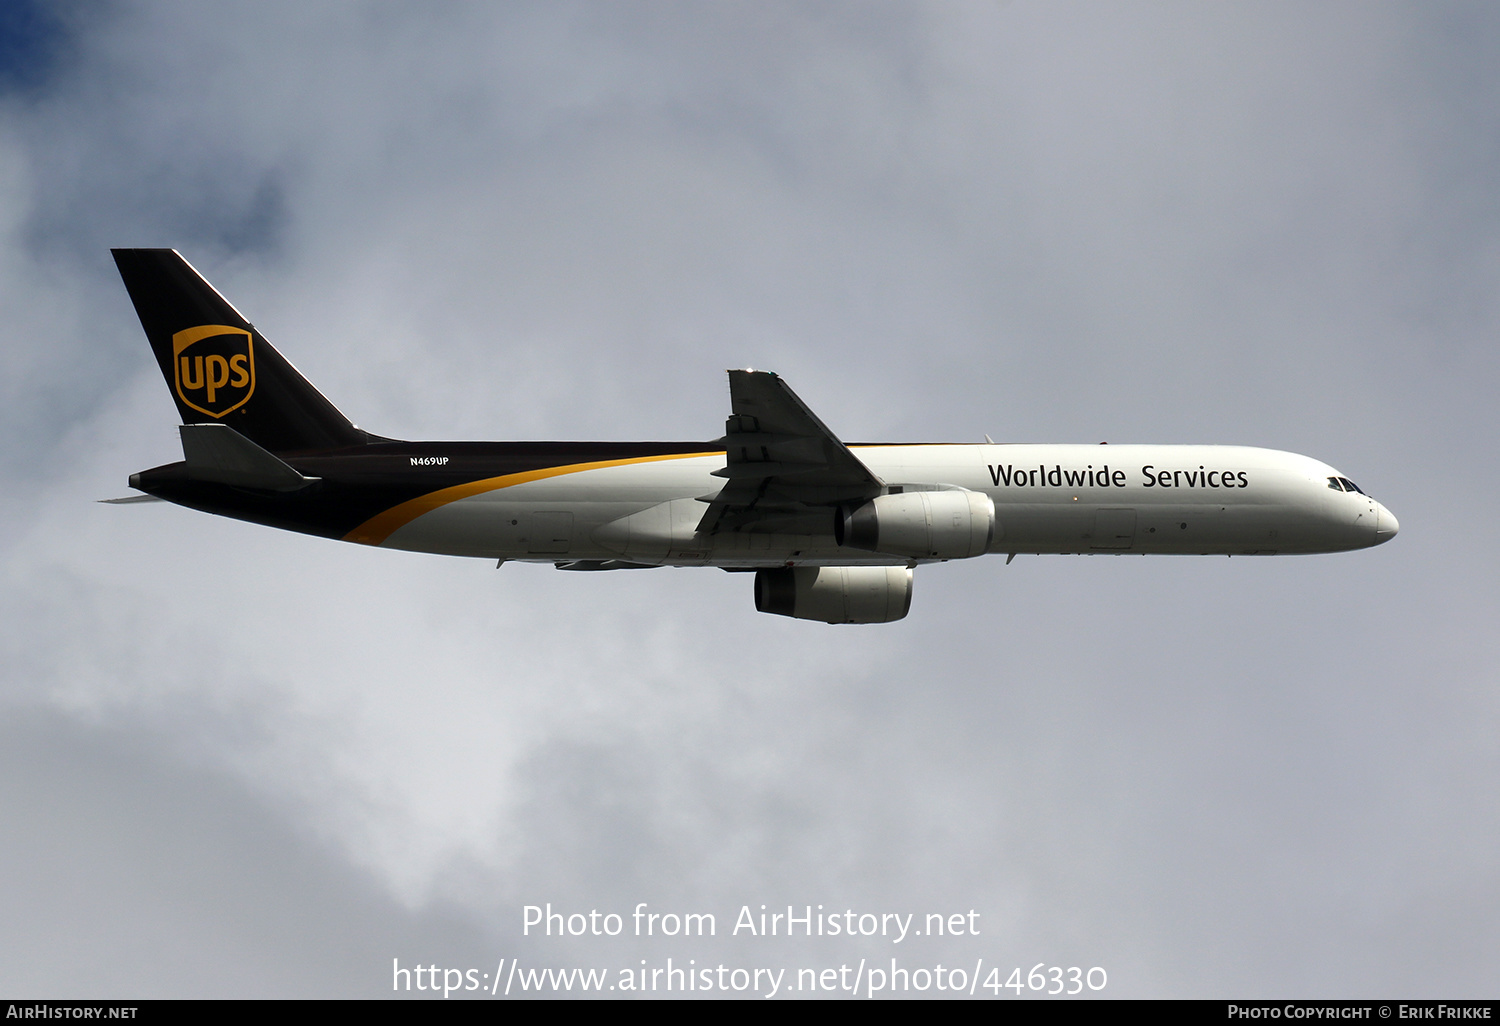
x=831, y=530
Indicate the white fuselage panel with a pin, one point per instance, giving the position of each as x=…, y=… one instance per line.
x=1198, y=499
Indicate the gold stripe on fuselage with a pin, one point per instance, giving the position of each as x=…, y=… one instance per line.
x=382, y=525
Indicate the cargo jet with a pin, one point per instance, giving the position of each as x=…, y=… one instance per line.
x=832, y=531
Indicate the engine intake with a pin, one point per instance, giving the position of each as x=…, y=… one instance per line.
x=953, y=524
x=835, y=594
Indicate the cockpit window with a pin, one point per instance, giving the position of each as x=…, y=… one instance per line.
x=1333, y=483
x=1350, y=486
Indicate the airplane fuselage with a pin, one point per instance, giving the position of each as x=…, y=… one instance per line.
x=640, y=502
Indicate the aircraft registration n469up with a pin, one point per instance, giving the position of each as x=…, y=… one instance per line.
x=831, y=530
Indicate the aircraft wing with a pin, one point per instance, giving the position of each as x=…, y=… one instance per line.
x=783, y=467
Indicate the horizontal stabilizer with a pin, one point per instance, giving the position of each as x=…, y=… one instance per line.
x=128, y=499
x=219, y=453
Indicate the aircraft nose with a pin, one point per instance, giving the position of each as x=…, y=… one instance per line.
x=1386, y=524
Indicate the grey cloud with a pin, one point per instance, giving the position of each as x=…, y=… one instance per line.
x=131, y=874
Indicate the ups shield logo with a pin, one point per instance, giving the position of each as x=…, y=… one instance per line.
x=214, y=368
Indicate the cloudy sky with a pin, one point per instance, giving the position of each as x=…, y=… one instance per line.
x=236, y=762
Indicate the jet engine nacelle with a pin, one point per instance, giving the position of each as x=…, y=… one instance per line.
x=835, y=594
x=950, y=524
